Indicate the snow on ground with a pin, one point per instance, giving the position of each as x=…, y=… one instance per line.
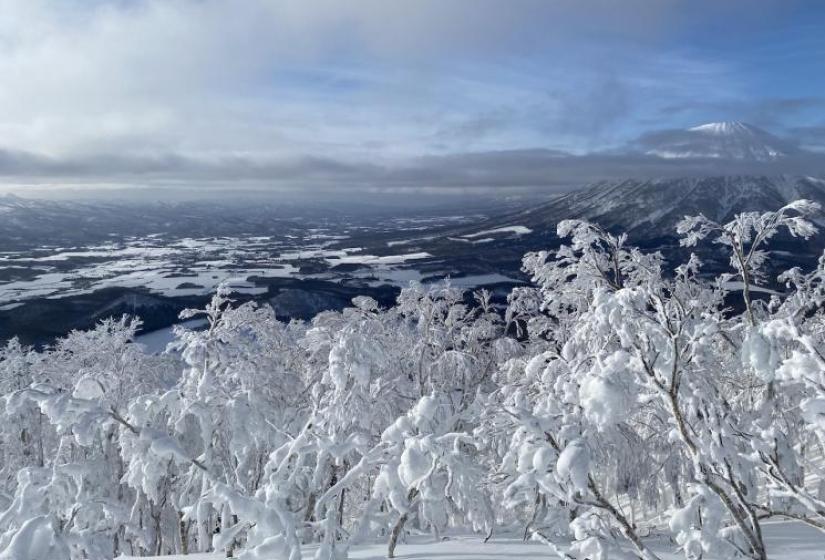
x=474, y=280
x=786, y=541
x=402, y=277
x=183, y=267
x=734, y=286
x=373, y=259
x=518, y=230
x=156, y=341
x=408, y=241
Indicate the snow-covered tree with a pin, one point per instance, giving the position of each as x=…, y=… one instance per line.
x=614, y=397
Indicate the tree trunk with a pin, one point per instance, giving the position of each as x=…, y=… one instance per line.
x=156, y=517
x=341, y=507
x=399, y=527
x=536, y=508
x=396, y=531
x=342, y=498
x=183, y=527
x=310, y=513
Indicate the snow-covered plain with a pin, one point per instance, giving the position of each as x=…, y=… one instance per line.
x=197, y=266
x=184, y=267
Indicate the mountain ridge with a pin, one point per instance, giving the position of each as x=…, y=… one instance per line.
x=648, y=211
x=716, y=197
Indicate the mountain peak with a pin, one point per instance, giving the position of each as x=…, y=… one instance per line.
x=727, y=128
x=727, y=140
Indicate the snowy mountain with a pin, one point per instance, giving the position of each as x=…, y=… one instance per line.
x=651, y=208
x=648, y=211
x=720, y=140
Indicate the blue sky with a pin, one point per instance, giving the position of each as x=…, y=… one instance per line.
x=193, y=91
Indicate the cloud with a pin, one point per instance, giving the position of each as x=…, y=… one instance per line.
x=811, y=137
x=535, y=170
x=151, y=75
x=595, y=110
x=776, y=113
x=286, y=91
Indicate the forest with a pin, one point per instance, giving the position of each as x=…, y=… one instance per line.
x=615, y=397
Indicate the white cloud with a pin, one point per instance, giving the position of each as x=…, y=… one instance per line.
x=276, y=80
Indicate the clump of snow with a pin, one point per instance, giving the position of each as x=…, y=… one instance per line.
x=425, y=409
x=574, y=464
x=604, y=399
x=415, y=464
x=37, y=538
x=759, y=354
x=88, y=387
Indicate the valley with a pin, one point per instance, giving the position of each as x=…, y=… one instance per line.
x=299, y=266
x=302, y=261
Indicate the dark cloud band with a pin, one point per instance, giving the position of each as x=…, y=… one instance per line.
x=531, y=169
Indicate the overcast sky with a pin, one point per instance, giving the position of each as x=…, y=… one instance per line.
x=424, y=93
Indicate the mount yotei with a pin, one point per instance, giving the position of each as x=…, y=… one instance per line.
x=719, y=140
